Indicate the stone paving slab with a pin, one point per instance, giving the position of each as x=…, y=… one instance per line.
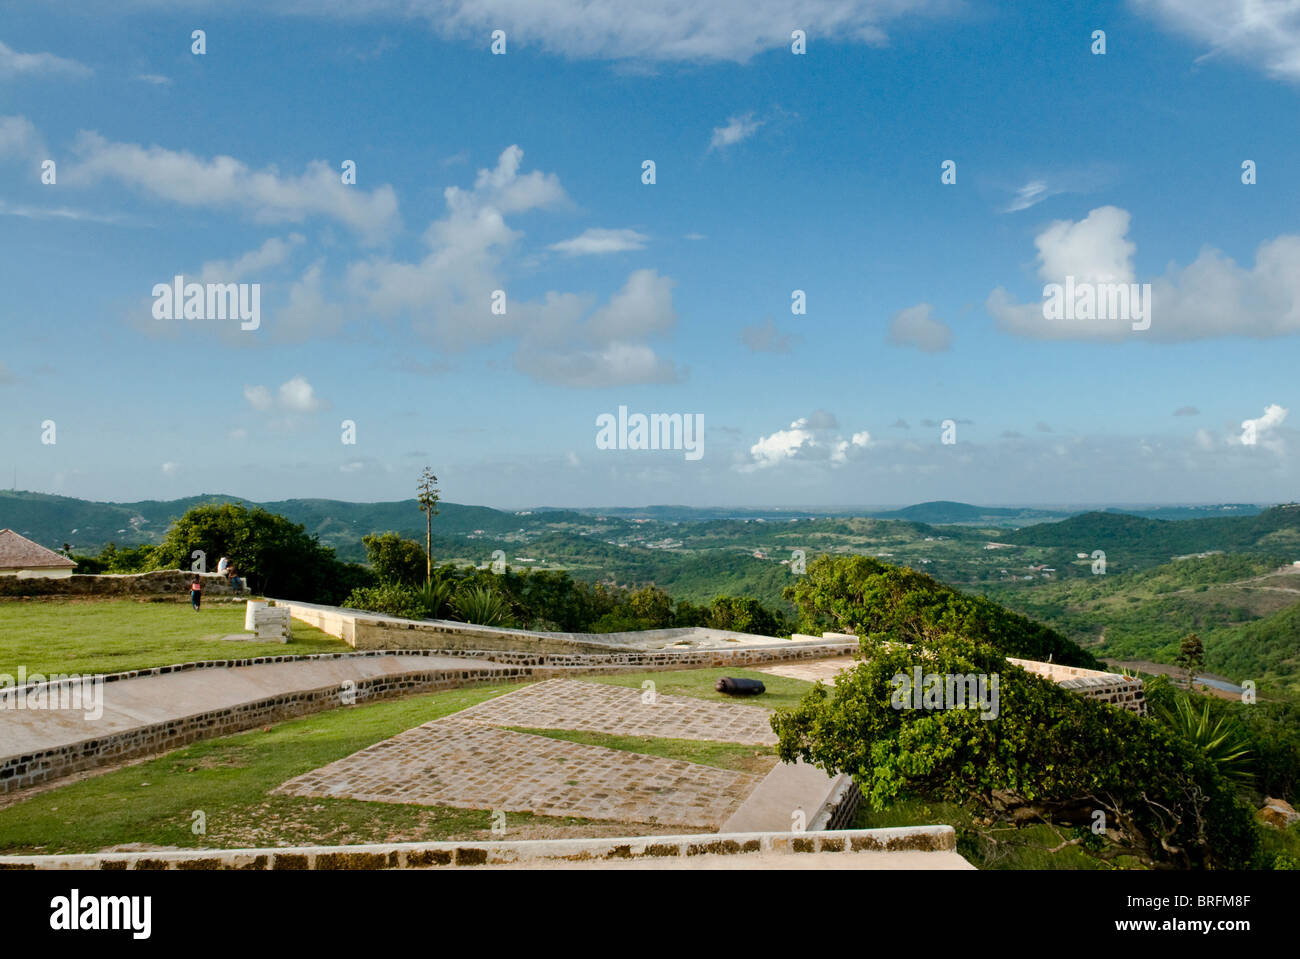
x=471, y=765
x=618, y=710
x=824, y=669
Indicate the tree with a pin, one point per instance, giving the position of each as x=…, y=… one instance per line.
x=1049, y=755
x=395, y=560
x=1191, y=657
x=859, y=594
x=428, y=499
x=277, y=557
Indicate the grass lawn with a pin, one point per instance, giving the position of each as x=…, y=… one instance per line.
x=1027, y=847
x=108, y=636
x=782, y=691
x=229, y=779
x=746, y=759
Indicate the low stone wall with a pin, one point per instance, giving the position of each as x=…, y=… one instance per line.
x=841, y=808
x=159, y=582
x=937, y=839
x=22, y=771
x=1115, y=688
x=365, y=630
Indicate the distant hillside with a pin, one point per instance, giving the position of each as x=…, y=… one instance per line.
x=1138, y=541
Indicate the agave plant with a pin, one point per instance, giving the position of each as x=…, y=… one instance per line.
x=481, y=606
x=435, y=596
x=1221, y=741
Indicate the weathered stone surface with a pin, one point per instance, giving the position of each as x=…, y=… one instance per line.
x=470, y=765
x=1278, y=812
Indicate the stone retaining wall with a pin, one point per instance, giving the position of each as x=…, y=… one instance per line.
x=159, y=582
x=1115, y=688
x=938, y=839
x=22, y=771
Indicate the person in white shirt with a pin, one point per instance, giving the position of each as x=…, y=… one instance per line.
x=222, y=566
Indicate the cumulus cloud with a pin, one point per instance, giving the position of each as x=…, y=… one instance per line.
x=1265, y=34
x=1211, y=297
x=808, y=438
x=564, y=338
x=295, y=395
x=224, y=182
x=13, y=63
x=736, y=129
x=917, y=327
x=596, y=241
x=1261, y=431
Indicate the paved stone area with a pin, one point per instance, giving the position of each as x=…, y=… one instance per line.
x=471, y=765
x=618, y=710
x=812, y=670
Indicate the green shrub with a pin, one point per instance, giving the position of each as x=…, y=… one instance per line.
x=1050, y=755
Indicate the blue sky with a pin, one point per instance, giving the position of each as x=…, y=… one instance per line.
x=775, y=172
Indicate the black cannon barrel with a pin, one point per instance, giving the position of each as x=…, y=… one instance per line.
x=739, y=687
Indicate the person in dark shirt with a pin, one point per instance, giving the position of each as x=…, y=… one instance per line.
x=196, y=593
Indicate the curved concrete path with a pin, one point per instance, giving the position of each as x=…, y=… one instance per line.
x=152, y=699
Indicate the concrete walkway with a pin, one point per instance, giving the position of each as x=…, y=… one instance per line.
x=153, y=699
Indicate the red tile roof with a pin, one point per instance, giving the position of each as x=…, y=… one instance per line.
x=19, y=552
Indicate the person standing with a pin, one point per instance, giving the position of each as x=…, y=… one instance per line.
x=196, y=593
x=223, y=567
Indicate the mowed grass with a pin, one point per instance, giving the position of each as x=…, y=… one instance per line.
x=107, y=636
x=229, y=780
x=736, y=756
x=782, y=691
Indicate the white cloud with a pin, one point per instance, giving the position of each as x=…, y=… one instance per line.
x=298, y=396
x=808, y=438
x=1261, y=430
x=13, y=63
x=917, y=327
x=270, y=254
x=223, y=182
x=1211, y=297
x=737, y=129
x=156, y=79
x=1094, y=250
x=171, y=469
x=615, y=364
x=563, y=338
x=596, y=241
x=307, y=311
x=1258, y=32
x=668, y=30
x=1028, y=195
x=258, y=397
x=644, y=306
x=20, y=138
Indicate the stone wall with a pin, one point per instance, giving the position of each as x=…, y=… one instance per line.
x=21, y=771
x=159, y=582
x=941, y=840
x=1114, y=688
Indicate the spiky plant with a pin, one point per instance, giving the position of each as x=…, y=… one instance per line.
x=481, y=606
x=1221, y=741
x=435, y=597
